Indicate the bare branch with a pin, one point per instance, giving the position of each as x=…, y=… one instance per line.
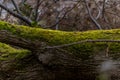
x=83, y=41
x=99, y=10
x=64, y=15
x=38, y=3
x=103, y=8
x=16, y=7
x=91, y=17
x=25, y=19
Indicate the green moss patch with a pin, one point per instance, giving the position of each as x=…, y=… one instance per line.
x=8, y=52
x=56, y=37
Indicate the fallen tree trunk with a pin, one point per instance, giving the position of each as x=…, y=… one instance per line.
x=83, y=51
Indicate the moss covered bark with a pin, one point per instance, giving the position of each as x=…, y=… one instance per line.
x=35, y=40
x=55, y=37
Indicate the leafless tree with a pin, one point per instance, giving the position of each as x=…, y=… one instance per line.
x=64, y=15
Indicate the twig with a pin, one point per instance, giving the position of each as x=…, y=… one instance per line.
x=91, y=17
x=80, y=42
x=103, y=8
x=64, y=15
x=16, y=7
x=99, y=10
x=38, y=3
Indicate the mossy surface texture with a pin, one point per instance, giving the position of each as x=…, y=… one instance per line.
x=56, y=37
x=8, y=52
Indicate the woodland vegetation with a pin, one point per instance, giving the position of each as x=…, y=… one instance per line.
x=47, y=40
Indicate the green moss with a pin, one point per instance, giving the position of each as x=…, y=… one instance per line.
x=7, y=52
x=56, y=37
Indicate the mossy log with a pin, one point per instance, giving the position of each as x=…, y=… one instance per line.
x=79, y=51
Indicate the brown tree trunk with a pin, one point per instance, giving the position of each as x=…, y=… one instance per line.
x=58, y=55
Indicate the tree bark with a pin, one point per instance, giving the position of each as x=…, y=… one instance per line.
x=81, y=51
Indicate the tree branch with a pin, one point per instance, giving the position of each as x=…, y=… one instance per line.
x=46, y=57
x=99, y=10
x=25, y=19
x=64, y=15
x=36, y=9
x=80, y=42
x=16, y=7
x=91, y=17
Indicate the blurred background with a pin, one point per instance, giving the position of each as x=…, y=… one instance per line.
x=68, y=15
